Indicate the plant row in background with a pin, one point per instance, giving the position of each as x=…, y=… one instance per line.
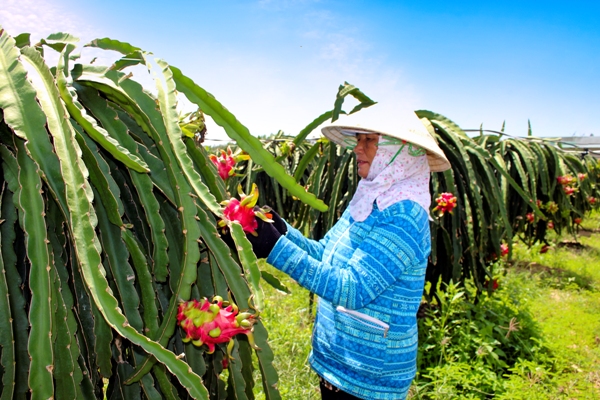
x=499, y=189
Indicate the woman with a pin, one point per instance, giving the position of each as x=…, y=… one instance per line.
x=369, y=269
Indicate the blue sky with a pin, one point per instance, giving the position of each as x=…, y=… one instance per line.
x=277, y=64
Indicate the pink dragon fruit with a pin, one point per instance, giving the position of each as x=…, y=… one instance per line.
x=550, y=225
x=226, y=162
x=581, y=176
x=211, y=323
x=566, y=180
x=445, y=203
x=244, y=212
x=591, y=200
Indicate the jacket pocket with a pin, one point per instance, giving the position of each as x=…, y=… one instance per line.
x=359, y=341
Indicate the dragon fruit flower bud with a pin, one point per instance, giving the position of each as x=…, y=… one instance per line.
x=552, y=207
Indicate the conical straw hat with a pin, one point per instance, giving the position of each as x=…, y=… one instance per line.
x=401, y=124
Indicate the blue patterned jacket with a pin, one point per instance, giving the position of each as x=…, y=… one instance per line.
x=369, y=276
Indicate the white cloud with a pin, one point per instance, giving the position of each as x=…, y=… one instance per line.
x=41, y=18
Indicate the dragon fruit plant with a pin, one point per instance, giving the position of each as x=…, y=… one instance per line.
x=212, y=323
x=445, y=203
x=227, y=161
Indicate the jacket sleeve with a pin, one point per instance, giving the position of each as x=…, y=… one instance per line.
x=394, y=244
x=314, y=248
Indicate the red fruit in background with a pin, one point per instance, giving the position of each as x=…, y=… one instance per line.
x=504, y=249
x=226, y=162
x=445, y=203
x=577, y=221
x=530, y=217
x=550, y=225
x=544, y=248
x=494, y=284
x=566, y=179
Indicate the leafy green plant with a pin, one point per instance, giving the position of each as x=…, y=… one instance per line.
x=108, y=221
x=467, y=349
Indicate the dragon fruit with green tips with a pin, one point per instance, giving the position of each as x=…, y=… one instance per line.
x=244, y=211
x=214, y=322
x=226, y=162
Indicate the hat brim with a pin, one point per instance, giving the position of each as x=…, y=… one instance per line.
x=345, y=136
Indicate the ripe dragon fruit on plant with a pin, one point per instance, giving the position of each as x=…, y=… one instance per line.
x=504, y=249
x=244, y=212
x=566, y=180
x=445, y=203
x=569, y=190
x=225, y=163
x=568, y=183
x=530, y=218
x=211, y=323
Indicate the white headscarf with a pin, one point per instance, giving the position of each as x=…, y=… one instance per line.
x=395, y=175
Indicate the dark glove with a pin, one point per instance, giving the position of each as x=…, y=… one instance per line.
x=226, y=236
x=278, y=222
x=267, y=236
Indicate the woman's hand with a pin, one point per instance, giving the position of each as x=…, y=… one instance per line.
x=264, y=241
x=278, y=222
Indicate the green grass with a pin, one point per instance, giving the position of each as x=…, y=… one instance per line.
x=559, y=288
x=562, y=289
x=289, y=323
